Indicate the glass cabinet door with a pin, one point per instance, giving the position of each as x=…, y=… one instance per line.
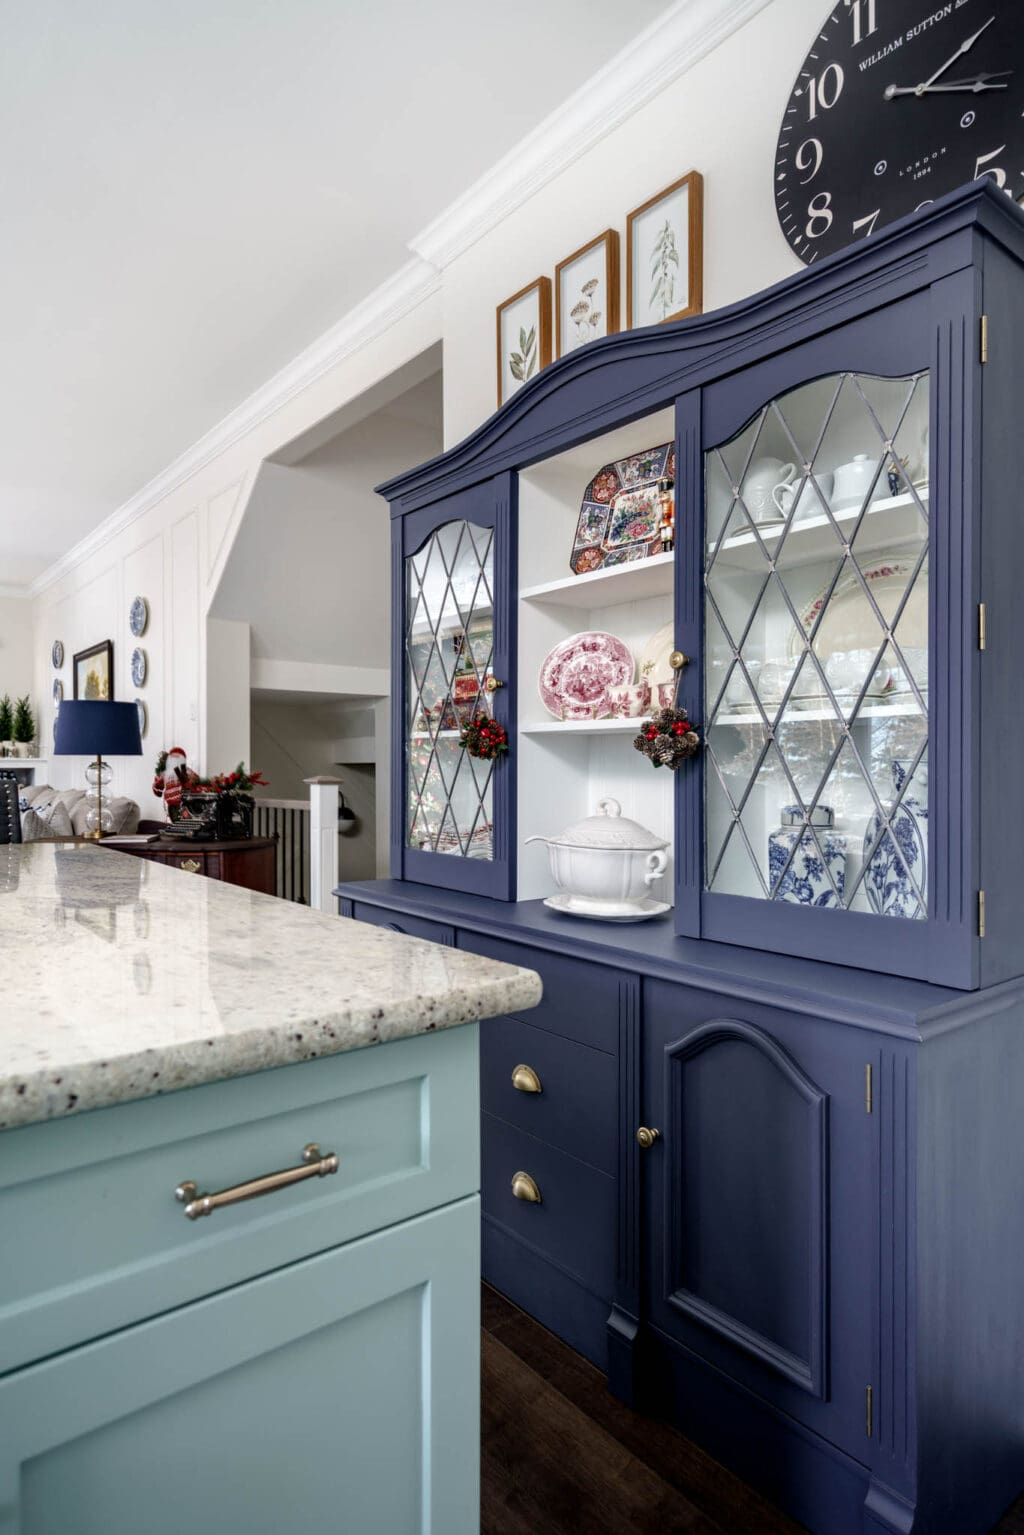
x=449, y=657
x=816, y=658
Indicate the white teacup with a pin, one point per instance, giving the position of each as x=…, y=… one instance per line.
x=811, y=500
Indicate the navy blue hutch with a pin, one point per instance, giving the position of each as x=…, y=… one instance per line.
x=813, y=1266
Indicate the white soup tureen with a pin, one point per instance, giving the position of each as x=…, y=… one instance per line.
x=606, y=863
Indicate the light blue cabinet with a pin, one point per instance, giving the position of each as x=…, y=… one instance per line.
x=303, y=1361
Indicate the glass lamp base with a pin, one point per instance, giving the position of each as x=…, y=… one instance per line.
x=98, y=820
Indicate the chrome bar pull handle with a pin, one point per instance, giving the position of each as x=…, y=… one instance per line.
x=313, y=1166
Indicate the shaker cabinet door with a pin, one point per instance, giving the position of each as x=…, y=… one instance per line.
x=453, y=651
x=339, y=1393
x=758, y=1201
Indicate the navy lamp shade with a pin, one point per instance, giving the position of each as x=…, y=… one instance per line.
x=94, y=729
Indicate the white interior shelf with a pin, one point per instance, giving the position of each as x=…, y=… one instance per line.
x=584, y=727
x=601, y=588
x=813, y=538
x=795, y=716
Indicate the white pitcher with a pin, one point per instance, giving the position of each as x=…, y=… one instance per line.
x=761, y=479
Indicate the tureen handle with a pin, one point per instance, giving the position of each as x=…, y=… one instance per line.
x=609, y=807
x=657, y=863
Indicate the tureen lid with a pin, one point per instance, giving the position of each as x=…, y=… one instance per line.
x=609, y=829
x=821, y=815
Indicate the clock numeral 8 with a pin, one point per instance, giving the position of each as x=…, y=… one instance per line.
x=825, y=91
x=820, y=210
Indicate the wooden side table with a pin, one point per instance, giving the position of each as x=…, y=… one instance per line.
x=245, y=861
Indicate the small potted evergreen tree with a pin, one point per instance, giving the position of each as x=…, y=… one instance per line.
x=24, y=730
x=6, y=726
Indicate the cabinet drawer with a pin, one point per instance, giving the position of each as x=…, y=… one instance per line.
x=574, y=1224
x=398, y=922
x=260, y=1409
x=580, y=1001
x=575, y=1109
x=94, y=1239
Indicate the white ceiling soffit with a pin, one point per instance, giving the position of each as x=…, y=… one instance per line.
x=664, y=51
x=670, y=46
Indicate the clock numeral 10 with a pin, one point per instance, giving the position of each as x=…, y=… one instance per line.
x=861, y=10
x=825, y=91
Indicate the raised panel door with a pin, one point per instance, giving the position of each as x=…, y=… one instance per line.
x=758, y=1201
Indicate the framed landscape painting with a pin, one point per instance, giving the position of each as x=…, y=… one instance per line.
x=587, y=294
x=665, y=254
x=94, y=672
x=523, y=336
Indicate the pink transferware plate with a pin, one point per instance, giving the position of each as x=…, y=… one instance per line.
x=575, y=678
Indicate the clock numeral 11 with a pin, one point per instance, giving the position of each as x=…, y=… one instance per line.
x=861, y=10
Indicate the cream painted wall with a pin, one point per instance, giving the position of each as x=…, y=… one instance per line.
x=721, y=118
x=16, y=650
x=174, y=553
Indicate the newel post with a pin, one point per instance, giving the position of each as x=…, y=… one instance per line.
x=323, y=841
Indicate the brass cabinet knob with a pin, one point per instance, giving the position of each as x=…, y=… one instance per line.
x=677, y=660
x=523, y=1187
x=492, y=684
x=526, y=1080
x=646, y=1138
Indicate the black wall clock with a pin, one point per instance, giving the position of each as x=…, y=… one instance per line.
x=897, y=102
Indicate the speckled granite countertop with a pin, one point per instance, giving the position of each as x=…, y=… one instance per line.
x=120, y=978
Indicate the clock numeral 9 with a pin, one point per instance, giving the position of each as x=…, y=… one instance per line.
x=802, y=160
x=825, y=91
x=858, y=9
x=820, y=210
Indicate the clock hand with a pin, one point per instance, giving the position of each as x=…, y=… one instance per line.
x=977, y=83
x=963, y=48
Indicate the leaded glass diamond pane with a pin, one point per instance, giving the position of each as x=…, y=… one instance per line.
x=816, y=635
x=449, y=647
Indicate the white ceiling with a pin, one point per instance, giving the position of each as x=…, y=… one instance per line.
x=192, y=192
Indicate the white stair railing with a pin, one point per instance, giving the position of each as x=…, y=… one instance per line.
x=323, y=841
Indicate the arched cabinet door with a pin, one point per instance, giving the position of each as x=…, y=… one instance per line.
x=452, y=660
x=758, y=1205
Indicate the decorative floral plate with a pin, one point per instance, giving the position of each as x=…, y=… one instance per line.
x=654, y=658
x=138, y=666
x=58, y=692
x=849, y=622
x=575, y=678
x=614, y=501
x=138, y=616
x=57, y=655
x=143, y=716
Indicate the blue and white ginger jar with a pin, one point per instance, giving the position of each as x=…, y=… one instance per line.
x=818, y=854
x=890, y=889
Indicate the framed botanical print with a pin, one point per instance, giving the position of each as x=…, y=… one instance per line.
x=587, y=294
x=665, y=254
x=523, y=336
x=94, y=671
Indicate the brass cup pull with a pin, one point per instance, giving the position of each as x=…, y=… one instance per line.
x=526, y=1080
x=523, y=1187
x=313, y=1166
x=646, y=1138
x=492, y=684
x=190, y=865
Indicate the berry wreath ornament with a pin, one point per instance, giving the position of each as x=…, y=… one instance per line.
x=668, y=738
x=483, y=737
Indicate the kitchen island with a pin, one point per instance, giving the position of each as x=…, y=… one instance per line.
x=239, y=1282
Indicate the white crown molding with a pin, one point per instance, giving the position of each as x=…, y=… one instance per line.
x=385, y=306
x=670, y=46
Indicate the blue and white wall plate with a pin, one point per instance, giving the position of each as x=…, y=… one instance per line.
x=138, y=666
x=57, y=655
x=58, y=693
x=138, y=616
x=143, y=718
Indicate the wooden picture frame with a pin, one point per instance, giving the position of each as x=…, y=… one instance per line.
x=531, y=306
x=597, y=263
x=103, y=687
x=684, y=206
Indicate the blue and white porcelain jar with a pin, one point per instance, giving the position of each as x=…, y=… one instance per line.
x=896, y=882
x=819, y=855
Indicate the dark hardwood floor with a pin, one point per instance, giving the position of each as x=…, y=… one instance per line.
x=561, y=1456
